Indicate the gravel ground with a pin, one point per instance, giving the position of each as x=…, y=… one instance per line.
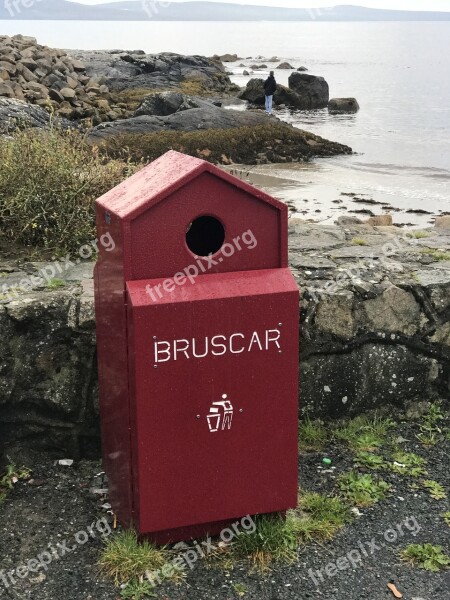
x=58, y=506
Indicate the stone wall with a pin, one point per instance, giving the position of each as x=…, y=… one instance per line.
x=375, y=317
x=375, y=330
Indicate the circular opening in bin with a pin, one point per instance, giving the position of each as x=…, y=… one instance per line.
x=205, y=236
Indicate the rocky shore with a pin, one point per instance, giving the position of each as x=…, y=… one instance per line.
x=375, y=331
x=111, y=94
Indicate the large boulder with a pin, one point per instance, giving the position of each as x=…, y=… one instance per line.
x=285, y=66
x=288, y=97
x=163, y=104
x=313, y=91
x=254, y=93
x=343, y=105
x=227, y=57
x=167, y=103
x=6, y=90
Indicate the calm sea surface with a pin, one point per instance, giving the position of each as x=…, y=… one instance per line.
x=399, y=72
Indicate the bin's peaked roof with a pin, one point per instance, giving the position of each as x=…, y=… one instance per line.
x=163, y=177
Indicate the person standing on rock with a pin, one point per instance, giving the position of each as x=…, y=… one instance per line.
x=270, y=87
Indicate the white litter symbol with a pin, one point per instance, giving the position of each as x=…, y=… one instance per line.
x=220, y=415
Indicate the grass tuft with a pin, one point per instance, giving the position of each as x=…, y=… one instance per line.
x=364, y=434
x=420, y=235
x=274, y=540
x=426, y=556
x=277, y=538
x=438, y=255
x=54, y=284
x=320, y=517
x=312, y=435
x=125, y=559
x=358, y=241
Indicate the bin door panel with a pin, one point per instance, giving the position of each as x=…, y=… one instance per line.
x=214, y=375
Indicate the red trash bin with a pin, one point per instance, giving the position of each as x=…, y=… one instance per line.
x=197, y=333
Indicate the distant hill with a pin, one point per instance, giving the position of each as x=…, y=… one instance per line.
x=136, y=10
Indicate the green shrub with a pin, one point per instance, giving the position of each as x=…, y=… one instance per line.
x=48, y=183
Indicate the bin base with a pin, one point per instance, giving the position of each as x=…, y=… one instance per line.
x=201, y=532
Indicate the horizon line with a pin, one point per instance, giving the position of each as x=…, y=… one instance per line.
x=307, y=8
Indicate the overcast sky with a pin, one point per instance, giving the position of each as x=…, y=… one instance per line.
x=442, y=5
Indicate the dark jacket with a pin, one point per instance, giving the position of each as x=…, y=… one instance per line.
x=270, y=86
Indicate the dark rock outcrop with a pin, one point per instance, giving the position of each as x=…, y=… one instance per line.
x=211, y=117
x=288, y=97
x=313, y=91
x=254, y=92
x=84, y=85
x=16, y=114
x=343, y=105
x=122, y=70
